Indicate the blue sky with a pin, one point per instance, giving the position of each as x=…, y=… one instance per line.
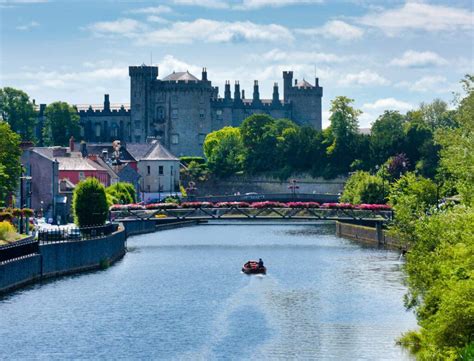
x=384, y=54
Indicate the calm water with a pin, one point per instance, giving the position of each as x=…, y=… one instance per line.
x=179, y=295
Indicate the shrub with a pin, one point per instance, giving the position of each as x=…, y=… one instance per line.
x=6, y=230
x=6, y=216
x=362, y=187
x=27, y=212
x=89, y=203
x=188, y=159
x=122, y=192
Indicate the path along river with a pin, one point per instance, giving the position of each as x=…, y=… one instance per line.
x=180, y=295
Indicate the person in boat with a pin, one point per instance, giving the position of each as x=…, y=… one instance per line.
x=260, y=263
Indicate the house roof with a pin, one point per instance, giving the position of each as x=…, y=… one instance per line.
x=176, y=76
x=78, y=164
x=98, y=148
x=150, y=151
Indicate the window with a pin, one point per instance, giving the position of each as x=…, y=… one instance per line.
x=174, y=138
x=148, y=170
x=148, y=187
x=160, y=113
x=160, y=170
x=174, y=113
x=114, y=131
x=218, y=112
x=81, y=176
x=97, y=130
x=202, y=113
x=201, y=138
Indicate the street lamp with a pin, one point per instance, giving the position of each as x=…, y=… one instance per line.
x=191, y=188
x=293, y=187
x=22, y=203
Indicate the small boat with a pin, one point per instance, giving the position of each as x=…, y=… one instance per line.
x=251, y=268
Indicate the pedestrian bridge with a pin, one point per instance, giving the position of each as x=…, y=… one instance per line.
x=269, y=213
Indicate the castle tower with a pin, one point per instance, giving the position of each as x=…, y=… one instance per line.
x=227, y=95
x=276, y=95
x=141, y=78
x=287, y=84
x=106, y=103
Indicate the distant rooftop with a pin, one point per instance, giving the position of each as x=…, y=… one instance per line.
x=101, y=106
x=150, y=151
x=177, y=76
x=304, y=84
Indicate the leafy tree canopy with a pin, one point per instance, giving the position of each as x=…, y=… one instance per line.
x=18, y=111
x=387, y=135
x=10, y=168
x=62, y=122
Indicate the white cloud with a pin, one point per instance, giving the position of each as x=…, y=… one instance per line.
x=213, y=4
x=427, y=83
x=417, y=59
x=157, y=19
x=124, y=27
x=334, y=29
x=257, y=4
x=152, y=10
x=419, y=16
x=388, y=104
x=308, y=57
x=215, y=32
x=364, y=77
x=28, y=26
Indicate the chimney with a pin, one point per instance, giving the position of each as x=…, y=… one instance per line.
x=71, y=144
x=204, y=74
x=84, y=149
x=243, y=94
x=237, y=90
x=106, y=103
x=227, y=90
x=316, y=82
x=276, y=95
x=256, y=94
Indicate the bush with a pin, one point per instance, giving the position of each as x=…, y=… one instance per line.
x=6, y=230
x=122, y=192
x=188, y=159
x=6, y=216
x=89, y=203
x=362, y=187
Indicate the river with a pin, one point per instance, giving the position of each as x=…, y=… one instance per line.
x=180, y=295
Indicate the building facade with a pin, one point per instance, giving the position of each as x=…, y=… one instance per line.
x=180, y=109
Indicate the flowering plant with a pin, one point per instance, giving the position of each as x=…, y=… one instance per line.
x=118, y=207
x=268, y=204
x=232, y=204
x=196, y=205
x=302, y=205
x=134, y=206
x=161, y=206
x=374, y=207
x=337, y=206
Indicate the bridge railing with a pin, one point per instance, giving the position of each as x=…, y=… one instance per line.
x=257, y=213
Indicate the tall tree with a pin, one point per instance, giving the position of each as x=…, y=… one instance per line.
x=18, y=111
x=436, y=114
x=62, y=122
x=387, y=136
x=341, y=136
x=10, y=168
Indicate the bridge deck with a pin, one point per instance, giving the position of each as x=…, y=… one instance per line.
x=236, y=213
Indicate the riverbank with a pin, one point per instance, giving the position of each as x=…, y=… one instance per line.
x=367, y=234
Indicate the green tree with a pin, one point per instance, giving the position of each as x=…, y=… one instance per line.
x=10, y=168
x=457, y=152
x=224, y=151
x=89, y=203
x=62, y=122
x=387, y=136
x=122, y=193
x=18, y=111
x=362, y=187
x=436, y=114
x=341, y=135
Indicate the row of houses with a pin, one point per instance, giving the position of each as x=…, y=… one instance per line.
x=53, y=172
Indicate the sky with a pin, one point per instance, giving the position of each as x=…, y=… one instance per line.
x=386, y=55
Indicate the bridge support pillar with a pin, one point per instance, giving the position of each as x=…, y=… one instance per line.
x=379, y=233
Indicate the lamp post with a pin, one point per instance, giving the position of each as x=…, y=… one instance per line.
x=22, y=203
x=191, y=189
x=293, y=187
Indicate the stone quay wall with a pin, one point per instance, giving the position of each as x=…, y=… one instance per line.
x=375, y=235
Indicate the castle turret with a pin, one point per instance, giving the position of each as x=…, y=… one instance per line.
x=141, y=78
x=227, y=90
x=106, y=103
x=276, y=95
x=287, y=81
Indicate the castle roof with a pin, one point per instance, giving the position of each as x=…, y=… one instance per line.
x=304, y=84
x=176, y=76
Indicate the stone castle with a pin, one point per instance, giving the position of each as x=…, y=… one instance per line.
x=180, y=109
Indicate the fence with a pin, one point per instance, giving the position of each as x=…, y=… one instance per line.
x=71, y=234
x=18, y=249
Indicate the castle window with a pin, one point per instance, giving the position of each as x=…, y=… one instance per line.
x=97, y=130
x=218, y=112
x=202, y=112
x=174, y=138
x=148, y=170
x=174, y=113
x=160, y=170
x=160, y=113
x=114, y=131
x=201, y=138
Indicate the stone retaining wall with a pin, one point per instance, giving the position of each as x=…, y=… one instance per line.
x=369, y=235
